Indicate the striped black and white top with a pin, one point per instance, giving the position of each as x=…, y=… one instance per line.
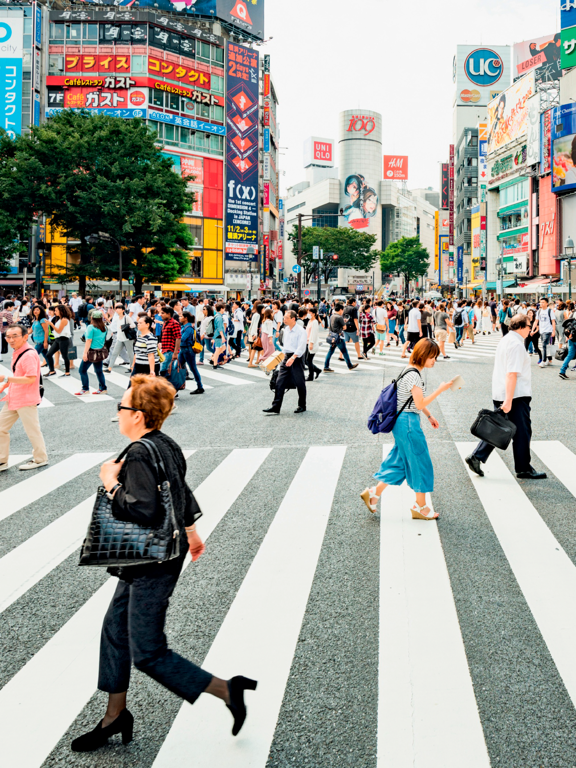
x=145, y=345
x=404, y=389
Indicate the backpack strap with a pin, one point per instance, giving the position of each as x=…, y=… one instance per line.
x=15, y=362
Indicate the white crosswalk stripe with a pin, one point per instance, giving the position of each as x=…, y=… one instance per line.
x=428, y=716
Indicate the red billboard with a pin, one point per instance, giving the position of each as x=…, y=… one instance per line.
x=396, y=167
x=173, y=71
x=547, y=226
x=101, y=63
x=445, y=187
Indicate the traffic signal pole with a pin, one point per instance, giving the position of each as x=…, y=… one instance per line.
x=300, y=256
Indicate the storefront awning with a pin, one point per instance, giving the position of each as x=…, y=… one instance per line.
x=491, y=286
x=538, y=285
x=473, y=285
x=194, y=287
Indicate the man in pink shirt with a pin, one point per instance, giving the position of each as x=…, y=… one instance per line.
x=22, y=399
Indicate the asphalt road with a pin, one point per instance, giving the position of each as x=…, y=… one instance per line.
x=469, y=619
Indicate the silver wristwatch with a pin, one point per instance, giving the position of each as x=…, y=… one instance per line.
x=113, y=490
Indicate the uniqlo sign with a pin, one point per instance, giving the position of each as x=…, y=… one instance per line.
x=396, y=167
x=323, y=151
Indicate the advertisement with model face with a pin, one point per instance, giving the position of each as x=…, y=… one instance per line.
x=541, y=54
x=563, y=145
x=363, y=201
x=242, y=117
x=508, y=113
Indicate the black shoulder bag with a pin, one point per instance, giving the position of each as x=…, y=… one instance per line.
x=112, y=542
x=494, y=427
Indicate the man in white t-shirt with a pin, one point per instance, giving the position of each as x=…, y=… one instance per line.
x=414, y=328
x=547, y=328
x=136, y=307
x=512, y=392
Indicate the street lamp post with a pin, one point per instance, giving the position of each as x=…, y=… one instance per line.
x=250, y=252
x=466, y=273
x=568, y=255
x=105, y=237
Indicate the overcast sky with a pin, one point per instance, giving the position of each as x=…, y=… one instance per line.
x=391, y=56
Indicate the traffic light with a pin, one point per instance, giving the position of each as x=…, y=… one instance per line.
x=335, y=257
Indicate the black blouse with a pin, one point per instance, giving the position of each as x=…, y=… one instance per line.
x=137, y=500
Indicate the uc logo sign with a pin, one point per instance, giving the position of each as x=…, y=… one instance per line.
x=5, y=32
x=483, y=67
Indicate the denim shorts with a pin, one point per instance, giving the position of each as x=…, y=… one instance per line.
x=351, y=337
x=409, y=460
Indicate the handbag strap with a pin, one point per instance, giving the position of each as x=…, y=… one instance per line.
x=156, y=457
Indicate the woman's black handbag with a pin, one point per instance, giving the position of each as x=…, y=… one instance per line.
x=130, y=332
x=494, y=427
x=112, y=542
x=562, y=354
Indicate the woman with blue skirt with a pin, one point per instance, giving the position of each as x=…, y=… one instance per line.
x=409, y=460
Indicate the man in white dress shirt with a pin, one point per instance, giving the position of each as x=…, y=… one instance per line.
x=292, y=367
x=512, y=392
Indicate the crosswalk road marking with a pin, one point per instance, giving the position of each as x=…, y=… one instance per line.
x=257, y=374
x=45, y=481
x=72, y=385
x=222, y=377
x=260, y=631
x=427, y=713
x=59, y=680
x=18, y=458
x=543, y=570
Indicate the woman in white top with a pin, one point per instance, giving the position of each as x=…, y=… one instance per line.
x=62, y=336
x=381, y=325
x=121, y=344
x=267, y=334
x=486, y=319
x=254, y=335
x=478, y=316
x=313, y=343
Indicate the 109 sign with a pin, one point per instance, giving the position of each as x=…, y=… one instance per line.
x=360, y=123
x=483, y=67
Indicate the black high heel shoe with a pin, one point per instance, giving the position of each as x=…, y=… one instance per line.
x=95, y=739
x=236, y=687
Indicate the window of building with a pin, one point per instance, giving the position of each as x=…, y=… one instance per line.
x=74, y=32
x=217, y=55
x=55, y=64
x=56, y=33
x=90, y=34
x=196, y=232
x=157, y=97
x=187, y=107
x=138, y=64
x=184, y=137
x=215, y=144
x=217, y=113
x=173, y=101
x=203, y=110
x=171, y=134
x=203, y=52
x=217, y=83
x=196, y=266
x=199, y=142
x=514, y=193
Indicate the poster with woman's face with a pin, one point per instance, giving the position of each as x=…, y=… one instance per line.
x=363, y=201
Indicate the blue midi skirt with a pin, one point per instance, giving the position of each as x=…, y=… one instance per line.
x=409, y=459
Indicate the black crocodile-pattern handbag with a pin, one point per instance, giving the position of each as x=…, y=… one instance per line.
x=112, y=542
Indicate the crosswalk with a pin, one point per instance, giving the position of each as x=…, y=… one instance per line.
x=428, y=695
x=62, y=390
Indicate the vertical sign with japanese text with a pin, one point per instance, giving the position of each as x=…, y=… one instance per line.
x=242, y=69
x=11, y=54
x=451, y=197
x=460, y=264
x=445, y=187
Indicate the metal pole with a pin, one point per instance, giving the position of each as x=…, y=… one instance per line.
x=300, y=256
x=569, y=279
x=120, y=262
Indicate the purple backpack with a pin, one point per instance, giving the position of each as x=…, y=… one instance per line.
x=384, y=413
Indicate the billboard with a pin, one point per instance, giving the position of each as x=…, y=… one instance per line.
x=396, y=167
x=241, y=219
x=319, y=151
x=11, y=53
x=460, y=264
x=90, y=98
x=246, y=15
x=568, y=48
x=445, y=187
x=567, y=13
x=508, y=113
x=540, y=55
x=545, y=127
x=363, y=201
x=480, y=73
x=563, y=147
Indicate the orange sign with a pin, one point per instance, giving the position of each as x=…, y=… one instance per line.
x=173, y=71
x=395, y=167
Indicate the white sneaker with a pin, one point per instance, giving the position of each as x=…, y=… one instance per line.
x=3, y=467
x=33, y=465
x=541, y=364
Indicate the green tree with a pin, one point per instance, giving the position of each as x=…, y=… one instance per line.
x=14, y=219
x=406, y=257
x=354, y=249
x=105, y=174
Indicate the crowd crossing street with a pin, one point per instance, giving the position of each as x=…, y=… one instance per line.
x=377, y=640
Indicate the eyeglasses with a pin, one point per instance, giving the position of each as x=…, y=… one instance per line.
x=120, y=407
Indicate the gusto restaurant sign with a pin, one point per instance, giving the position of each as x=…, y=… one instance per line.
x=362, y=123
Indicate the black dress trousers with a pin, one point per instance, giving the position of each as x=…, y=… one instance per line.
x=289, y=377
x=520, y=415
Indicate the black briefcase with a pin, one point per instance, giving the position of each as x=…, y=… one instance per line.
x=494, y=427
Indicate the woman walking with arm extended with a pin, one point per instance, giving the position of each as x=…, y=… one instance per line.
x=40, y=329
x=254, y=335
x=312, y=343
x=62, y=335
x=409, y=460
x=367, y=330
x=187, y=353
x=534, y=335
x=133, y=629
x=94, y=354
x=267, y=334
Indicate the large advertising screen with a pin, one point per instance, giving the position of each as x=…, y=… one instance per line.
x=363, y=201
x=242, y=119
x=247, y=15
x=508, y=113
x=563, y=145
x=541, y=55
x=11, y=53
